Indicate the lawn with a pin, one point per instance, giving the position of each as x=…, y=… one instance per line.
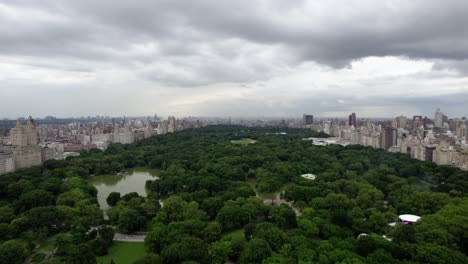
x=236, y=234
x=123, y=253
x=244, y=141
x=48, y=245
x=265, y=196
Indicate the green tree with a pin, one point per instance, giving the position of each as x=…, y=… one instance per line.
x=35, y=198
x=6, y=214
x=106, y=235
x=81, y=254
x=220, y=252
x=432, y=253
x=231, y=215
x=154, y=238
x=189, y=248
x=212, y=232
x=309, y=228
x=113, y=198
x=271, y=234
x=256, y=251
x=130, y=220
x=13, y=252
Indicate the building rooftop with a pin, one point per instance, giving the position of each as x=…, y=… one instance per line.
x=409, y=218
x=308, y=176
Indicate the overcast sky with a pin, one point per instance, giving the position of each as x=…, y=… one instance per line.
x=233, y=58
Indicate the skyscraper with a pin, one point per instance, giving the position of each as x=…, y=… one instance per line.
x=439, y=118
x=352, y=120
x=388, y=137
x=307, y=119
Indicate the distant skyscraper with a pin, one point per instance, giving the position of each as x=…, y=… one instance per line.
x=400, y=121
x=352, y=120
x=171, y=128
x=439, y=118
x=307, y=119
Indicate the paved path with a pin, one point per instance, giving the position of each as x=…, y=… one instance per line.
x=129, y=238
x=48, y=255
x=136, y=237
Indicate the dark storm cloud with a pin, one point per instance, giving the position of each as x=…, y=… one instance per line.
x=333, y=32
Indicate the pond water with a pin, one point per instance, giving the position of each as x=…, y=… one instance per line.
x=133, y=180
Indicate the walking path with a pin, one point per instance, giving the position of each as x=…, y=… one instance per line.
x=135, y=237
x=129, y=238
x=47, y=255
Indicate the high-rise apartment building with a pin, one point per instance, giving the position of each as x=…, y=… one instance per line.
x=352, y=120
x=24, y=145
x=429, y=152
x=7, y=162
x=388, y=137
x=123, y=134
x=399, y=122
x=307, y=119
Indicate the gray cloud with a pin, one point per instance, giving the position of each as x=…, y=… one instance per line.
x=171, y=44
x=333, y=32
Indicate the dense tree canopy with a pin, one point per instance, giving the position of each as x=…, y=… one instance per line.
x=208, y=186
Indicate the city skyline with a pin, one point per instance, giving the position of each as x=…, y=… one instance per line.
x=432, y=115
x=246, y=59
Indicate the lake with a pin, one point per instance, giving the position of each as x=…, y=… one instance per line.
x=133, y=180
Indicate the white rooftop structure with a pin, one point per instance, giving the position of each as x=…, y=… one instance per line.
x=308, y=176
x=361, y=235
x=409, y=218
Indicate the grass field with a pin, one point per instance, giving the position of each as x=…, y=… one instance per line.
x=244, y=141
x=236, y=234
x=265, y=196
x=123, y=253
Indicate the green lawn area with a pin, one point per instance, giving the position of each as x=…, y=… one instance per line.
x=244, y=141
x=48, y=245
x=236, y=234
x=264, y=196
x=123, y=253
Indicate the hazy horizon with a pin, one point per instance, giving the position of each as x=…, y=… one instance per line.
x=220, y=117
x=236, y=58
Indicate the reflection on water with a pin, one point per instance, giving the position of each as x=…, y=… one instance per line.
x=132, y=181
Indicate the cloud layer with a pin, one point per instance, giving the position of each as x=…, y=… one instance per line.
x=236, y=58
